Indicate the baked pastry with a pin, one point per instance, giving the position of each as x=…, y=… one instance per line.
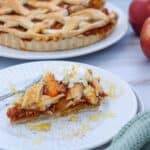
x=74, y=92
x=49, y=25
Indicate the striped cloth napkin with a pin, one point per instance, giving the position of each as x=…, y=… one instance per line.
x=135, y=135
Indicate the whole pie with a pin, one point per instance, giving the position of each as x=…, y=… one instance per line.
x=49, y=25
x=75, y=92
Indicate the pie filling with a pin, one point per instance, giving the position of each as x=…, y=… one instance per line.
x=51, y=96
x=99, y=30
x=87, y=33
x=54, y=19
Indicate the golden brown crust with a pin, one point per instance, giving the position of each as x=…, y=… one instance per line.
x=65, y=44
x=53, y=24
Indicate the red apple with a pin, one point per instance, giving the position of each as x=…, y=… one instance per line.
x=145, y=38
x=139, y=11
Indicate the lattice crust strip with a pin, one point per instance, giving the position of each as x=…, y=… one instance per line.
x=51, y=19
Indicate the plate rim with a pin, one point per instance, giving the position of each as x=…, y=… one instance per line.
x=72, y=62
x=73, y=53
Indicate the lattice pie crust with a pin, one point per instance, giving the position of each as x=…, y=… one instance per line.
x=49, y=25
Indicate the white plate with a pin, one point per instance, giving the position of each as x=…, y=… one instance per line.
x=82, y=134
x=119, y=32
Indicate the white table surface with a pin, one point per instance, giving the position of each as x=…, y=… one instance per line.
x=124, y=59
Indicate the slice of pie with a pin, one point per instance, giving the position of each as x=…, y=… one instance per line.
x=53, y=97
x=49, y=25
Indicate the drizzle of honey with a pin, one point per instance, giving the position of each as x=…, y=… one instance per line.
x=80, y=132
x=39, y=127
x=100, y=115
x=73, y=118
x=38, y=141
x=114, y=91
x=55, y=120
x=84, y=129
x=13, y=88
x=94, y=118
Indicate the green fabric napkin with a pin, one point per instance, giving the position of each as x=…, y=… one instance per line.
x=135, y=135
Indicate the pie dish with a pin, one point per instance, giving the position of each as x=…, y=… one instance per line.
x=51, y=25
x=76, y=91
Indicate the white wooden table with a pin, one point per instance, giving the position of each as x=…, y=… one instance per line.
x=124, y=58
